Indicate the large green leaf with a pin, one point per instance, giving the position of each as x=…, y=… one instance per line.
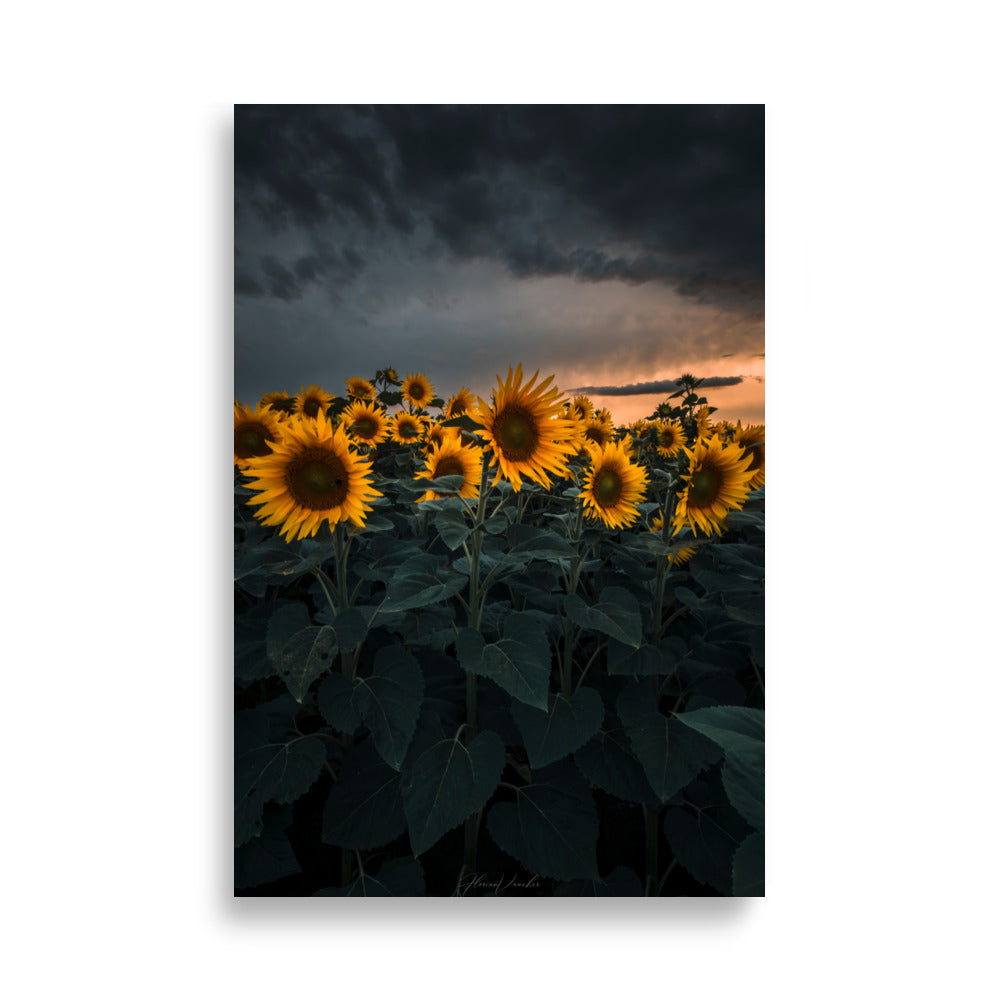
x=398, y=877
x=538, y=543
x=335, y=700
x=671, y=755
x=552, y=828
x=740, y=732
x=452, y=526
x=448, y=783
x=702, y=846
x=365, y=807
x=389, y=701
x=609, y=762
x=268, y=857
x=646, y=660
x=251, y=661
x=748, y=867
x=565, y=727
x=616, y=614
x=520, y=662
x=269, y=771
x=415, y=584
x=299, y=650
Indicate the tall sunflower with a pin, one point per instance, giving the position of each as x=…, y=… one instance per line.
x=365, y=422
x=437, y=435
x=613, y=485
x=582, y=407
x=462, y=402
x=669, y=438
x=597, y=432
x=703, y=422
x=359, y=388
x=312, y=401
x=281, y=402
x=751, y=438
x=452, y=458
x=253, y=431
x=417, y=390
x=405, y=428
x=311, y=476
x=718, y=480
x=525, y=431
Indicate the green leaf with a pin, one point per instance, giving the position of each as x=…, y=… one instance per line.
x=300, y=651
x=646, y=660
x=415, y=584
x=740, y=733
x=251, y=661
x=617, y=614
x=703, y=847
x=568, y=724
x=452, y=527
x=334, y=698
x=520, y=662
x=267, y=771
x=443, y=484
x=399, y=877
x=464, y=421
x=351, y=627
x=389, y=701
x=268, y=857
x=748, y=867
x=671, y=755
x=448, y=783
x=373, y=522
x=552, y=828
x=364, y=809
x=621, y=882
x=538, y=543
x=609, y=762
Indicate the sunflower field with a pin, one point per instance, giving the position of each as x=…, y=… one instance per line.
x=496, y=647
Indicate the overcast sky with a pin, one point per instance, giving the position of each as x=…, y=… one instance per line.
x=614, y=246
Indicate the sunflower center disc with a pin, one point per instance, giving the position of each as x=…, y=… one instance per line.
x=607, y=488
x=518, y=435
x=253, y=441
x=417, y=391
x=318, y=482
x=311, y=407
x=449, y=467
x=365, y=427
x=407, y=431
x=704, y=487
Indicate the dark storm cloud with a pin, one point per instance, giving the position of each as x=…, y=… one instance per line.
x=635, y=194
x=663, y=385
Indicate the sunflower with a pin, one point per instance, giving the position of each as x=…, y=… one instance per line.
x=417, y=390
x=311, y=476
x=405, y=428
x=460, y=403
x=702, y=422
x=597, y=432
x=679, y=555
x=524, y=430
x=751, y=439
x=613, y=486
x=253, y=429
x=280, y=402
x=312, y=401
x=437, y=435
x=359, y=388
x=365, y=422
x=604, y=415
x=582, y=407
x=452, y=458
x=718, y=480
x=669, y=438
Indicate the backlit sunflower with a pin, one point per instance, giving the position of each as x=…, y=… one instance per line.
x=253, y=431
x=462, y=402
x=365, y=422
x=597, y=432
x=582, y=407
x=604, y=414
x=405, y=428
x=281, y=402
x=312, y=401
x=311, y=476
x=669, y=438
x=746, y=437
x=452, y=458
x=613, y=485
x=703, y=422
x=525, y=431
x=718, y=480
x=681, y=553
x=359, y=388
x=417, y=390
